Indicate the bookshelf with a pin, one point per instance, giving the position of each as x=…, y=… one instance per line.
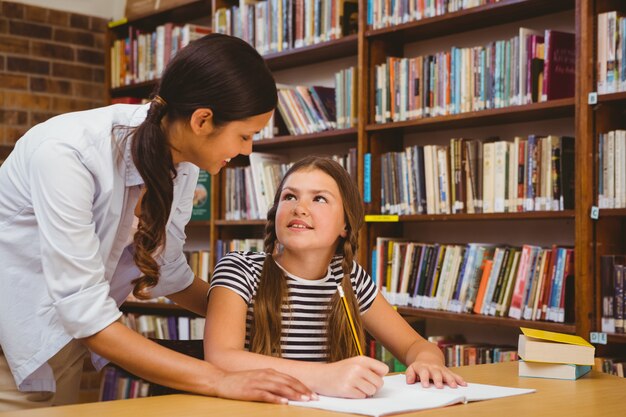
x=607, y=231
x=590, y=238
x=378, y=138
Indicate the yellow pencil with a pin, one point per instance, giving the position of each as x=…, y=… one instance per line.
x=355, y=337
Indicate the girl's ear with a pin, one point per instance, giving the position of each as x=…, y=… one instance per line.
x=344, y=232
x=201, y=121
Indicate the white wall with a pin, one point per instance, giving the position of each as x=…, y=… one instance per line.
x=107, y=9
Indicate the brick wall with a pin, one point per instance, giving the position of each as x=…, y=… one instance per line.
x=51, y=62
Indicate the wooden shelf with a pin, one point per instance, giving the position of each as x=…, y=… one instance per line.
x=339, y=48
x=489, y=320
x=199, y=223
x=177, y=14
x=5, y=150
x=141, y=90
x=612, y=97
x=514, y=114
x=159, y=309
x=621, y=212
x=231, y=223
x=532, y=215
x=469, y=19
x=616, y=338
x=329, y=136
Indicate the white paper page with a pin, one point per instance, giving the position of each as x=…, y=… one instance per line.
x=396, y=397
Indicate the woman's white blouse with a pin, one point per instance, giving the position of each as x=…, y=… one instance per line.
x=67, y=197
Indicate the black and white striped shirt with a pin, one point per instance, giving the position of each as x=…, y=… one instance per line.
x=303, y=320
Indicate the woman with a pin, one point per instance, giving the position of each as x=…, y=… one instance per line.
x=70, y=256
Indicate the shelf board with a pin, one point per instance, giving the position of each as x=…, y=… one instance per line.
x=616, y=338
x=5, y=150
x=199, y=223
x=621, y=212
x=478, y=318
x=553, y=109
x=159, y=309
x=532, y=215
x=140, y=90
x=175, y=13
x=612, y=97
x=312, y=54
x=329, y=136
x=230, y=223
x=469, y=19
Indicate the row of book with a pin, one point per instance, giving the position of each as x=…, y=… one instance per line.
x=307, y=110
x=611, y=52
x=385, y=13
x=531, y=67
x=199, y=263
x=611, y=366
x=457, y=352
x=612, y=169
x=222, y=247
x=530, y=283
x=166, y=328
x=118, y=384
x=613, y=287
x=474, y=176
x=250, y=190
x=279, y=25
x=142, y=56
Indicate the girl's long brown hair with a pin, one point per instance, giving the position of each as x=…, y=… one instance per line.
x=219, y=72
x=272, y=291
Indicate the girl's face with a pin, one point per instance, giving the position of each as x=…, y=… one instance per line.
x=310, y=215
x=210, y=147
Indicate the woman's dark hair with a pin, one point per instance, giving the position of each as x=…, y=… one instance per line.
x=219, y=72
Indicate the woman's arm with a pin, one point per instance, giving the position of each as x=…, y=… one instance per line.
x=424, y=360
x=156, y=363
x=224, y=342
x=194, y=297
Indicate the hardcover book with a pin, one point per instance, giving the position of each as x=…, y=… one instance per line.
x=552, y=370
x=544, y=346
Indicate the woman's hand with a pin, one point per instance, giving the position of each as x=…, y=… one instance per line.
x=427, y=371
x=266, y=385
x=357, y=377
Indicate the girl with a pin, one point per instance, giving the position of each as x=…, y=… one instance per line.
x=68, y=195
x=281, y=308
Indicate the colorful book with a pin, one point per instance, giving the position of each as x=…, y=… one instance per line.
x=552, y=370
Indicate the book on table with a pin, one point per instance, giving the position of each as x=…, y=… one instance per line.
x=396, y=396
x=544, y=346
x=552, y=370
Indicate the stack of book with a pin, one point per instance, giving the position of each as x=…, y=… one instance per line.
x=545, y=354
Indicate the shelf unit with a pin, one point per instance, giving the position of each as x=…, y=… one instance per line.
x=591, y=238
x=606, y=234
x=378, y=138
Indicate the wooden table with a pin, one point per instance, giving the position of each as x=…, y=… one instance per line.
x=595, y=394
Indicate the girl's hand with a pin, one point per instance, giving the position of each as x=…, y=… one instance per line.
x=266, y=385
x=357, y=377
x=439, y=374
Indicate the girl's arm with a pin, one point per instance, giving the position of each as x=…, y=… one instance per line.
x=194, y=297
x=156, y=363
x=224, y=341
x=424, y=360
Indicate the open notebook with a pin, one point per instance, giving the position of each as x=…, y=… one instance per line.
x=397, y=397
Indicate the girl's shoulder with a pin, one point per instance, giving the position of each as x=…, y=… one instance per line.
x=336, y=267
x=253, y=260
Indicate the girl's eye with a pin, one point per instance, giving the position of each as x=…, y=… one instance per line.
x=320, y=198
x=246, y=138
x=289, y=196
